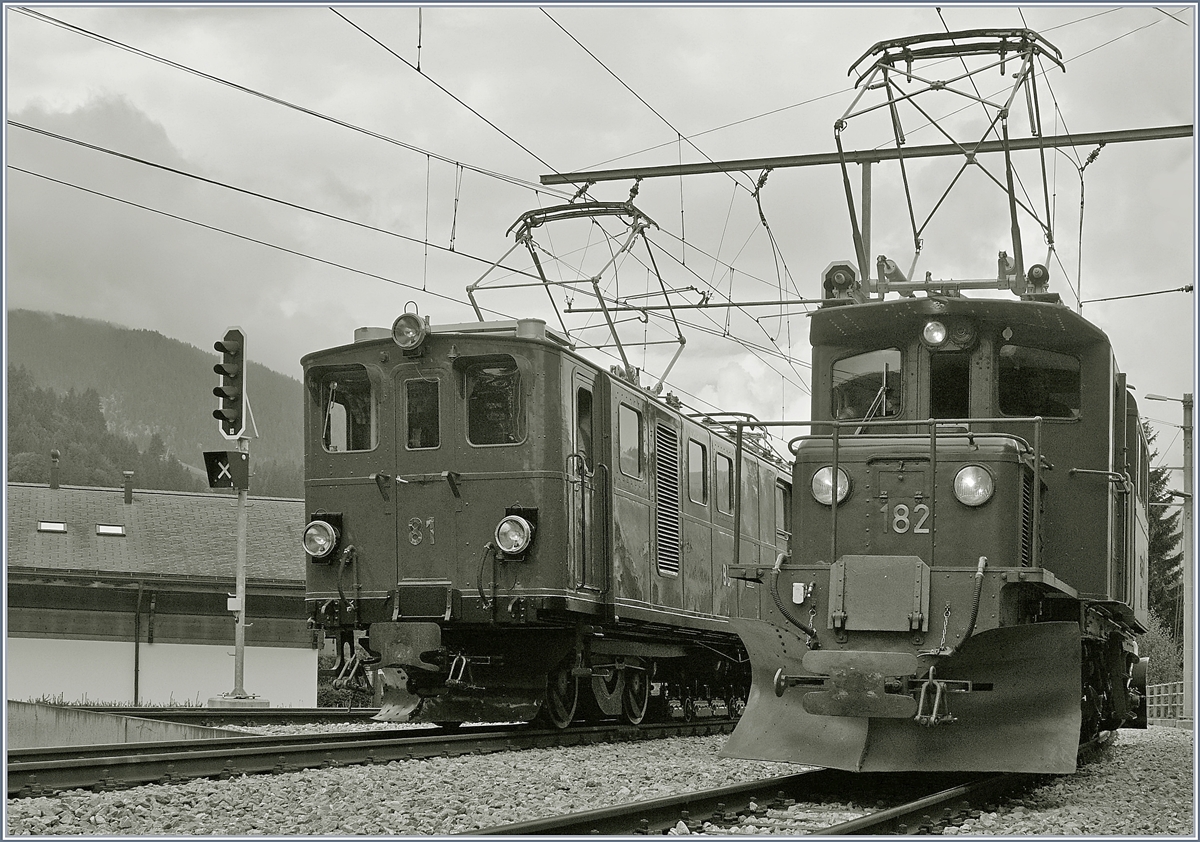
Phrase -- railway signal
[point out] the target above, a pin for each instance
(227, 469)
(231, 414)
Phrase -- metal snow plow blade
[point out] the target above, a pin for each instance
(994, 705)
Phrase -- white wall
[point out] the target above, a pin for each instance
(101, 672)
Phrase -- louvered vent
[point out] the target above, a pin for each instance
(1027, 520)
(666, 507)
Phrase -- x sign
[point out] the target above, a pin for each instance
(227, 469)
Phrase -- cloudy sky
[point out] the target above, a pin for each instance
(301, 171)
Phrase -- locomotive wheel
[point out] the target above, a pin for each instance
(562, 695)
(609, 691)
(636, 697)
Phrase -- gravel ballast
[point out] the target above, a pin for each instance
(1141, 785)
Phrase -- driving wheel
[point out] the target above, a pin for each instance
(636, 696)
(562, 695)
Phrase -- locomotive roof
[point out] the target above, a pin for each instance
(900, 319)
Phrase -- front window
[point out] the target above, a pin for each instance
(350, 414)
(1034, 381)
(421, 398)
(494, 409)
(867, 386)
(950, 384)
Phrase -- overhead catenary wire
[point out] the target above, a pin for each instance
(298, 253)
(538, 188)
(445, 90)
(249, 239)
(253, 193)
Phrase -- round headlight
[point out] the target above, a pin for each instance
(319, 539)
(408, 331)
(973, 485)
(934, 333)
(513, 535)
(822, 485)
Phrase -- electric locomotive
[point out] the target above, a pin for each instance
(501, 530)
(967, 569)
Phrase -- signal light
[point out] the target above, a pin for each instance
(230, 412)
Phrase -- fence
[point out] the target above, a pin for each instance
(1165, 702)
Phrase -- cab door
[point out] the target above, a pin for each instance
(589, 483)
(426, 497)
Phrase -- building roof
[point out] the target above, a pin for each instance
(165, 533)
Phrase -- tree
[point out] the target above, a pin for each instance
(1164, 651)
(1166, 568)
(41, 420)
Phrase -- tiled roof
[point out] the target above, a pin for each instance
(170, 533)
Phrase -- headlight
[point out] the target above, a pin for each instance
(934, 333)
(822, 485)
(408, 331)
(319, 538)
(973, 485)
(513, 535)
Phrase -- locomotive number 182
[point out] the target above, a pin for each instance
(902, 518)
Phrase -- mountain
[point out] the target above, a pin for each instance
(151, 384)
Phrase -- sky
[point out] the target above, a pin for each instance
(304, 170)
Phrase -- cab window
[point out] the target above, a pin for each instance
(697, 472)
(724, 484)
(495, 414)
(629, 440)
(866, 386)
(783, 510)
(422, 414)
(1034, 381)
(350, 411)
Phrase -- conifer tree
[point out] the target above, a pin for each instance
(1165, 560)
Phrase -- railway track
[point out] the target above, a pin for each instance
(811, 803)
(43, 771)
(808, 803)
(216, 717)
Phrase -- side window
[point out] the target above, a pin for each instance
(783, 509)
(422, 414)
(494, 411)
(867, 385)
(583, 425)
(1144, 472)
(724, 484)
(350, 411)
(1033, 381)
(697, 472)
(629, 440)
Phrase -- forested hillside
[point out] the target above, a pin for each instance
(41, 420)
(154, 391)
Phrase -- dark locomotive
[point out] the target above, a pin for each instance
(503, 531)
(971, 598)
